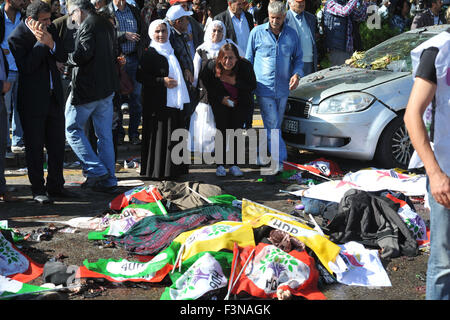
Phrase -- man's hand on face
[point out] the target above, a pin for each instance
(40, 32)
(44, 37)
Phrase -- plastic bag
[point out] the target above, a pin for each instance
(202, 129)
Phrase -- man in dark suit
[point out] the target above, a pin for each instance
(238, 23)
(36, 47)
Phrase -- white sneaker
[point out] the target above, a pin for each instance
(125, 108)
(235, 171)
(220, 171)
(18, 149)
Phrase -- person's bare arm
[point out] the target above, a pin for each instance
(421, 96)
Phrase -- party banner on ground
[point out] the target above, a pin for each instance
(201, 274)
(258, 215)
(266, 269)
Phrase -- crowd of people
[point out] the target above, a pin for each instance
(68, 68)
(72, 68)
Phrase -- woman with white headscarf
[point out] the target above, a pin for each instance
(164, 94)
(214, 39)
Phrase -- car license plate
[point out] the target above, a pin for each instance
(290, 126)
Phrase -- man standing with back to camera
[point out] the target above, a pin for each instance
(94, 82)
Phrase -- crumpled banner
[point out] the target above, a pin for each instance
(10, 287)
(263, 270)
(359, 266)
(258, 215)
(202, 273)
(138, 195)
(119, 270)
(215, 237)
(15, 265)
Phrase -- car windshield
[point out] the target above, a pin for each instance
(393, 54)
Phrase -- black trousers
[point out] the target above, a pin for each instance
(229, 118)
(46, 130)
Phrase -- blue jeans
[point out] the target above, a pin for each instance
(134, 102)
(11, 107)
(3, 134)
(101, 112)
(438, 273)
(272, 112)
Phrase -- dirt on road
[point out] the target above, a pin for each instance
(407, 274)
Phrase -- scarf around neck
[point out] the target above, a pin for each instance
(177, 96)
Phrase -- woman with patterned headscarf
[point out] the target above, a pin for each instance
(214, 39)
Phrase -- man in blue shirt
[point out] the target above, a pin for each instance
(10, 17)
(275, 51)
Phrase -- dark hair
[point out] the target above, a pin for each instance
(106, 13)
(399, 7)
(221, 54)
(37, 7)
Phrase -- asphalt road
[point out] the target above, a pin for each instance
(406, 274)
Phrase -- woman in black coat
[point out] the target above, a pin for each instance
(229, 81)
(164, 95)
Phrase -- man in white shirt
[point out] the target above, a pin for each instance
(238, 23)
(305, 24)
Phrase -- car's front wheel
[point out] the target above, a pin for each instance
(394, 149)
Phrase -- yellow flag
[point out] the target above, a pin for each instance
(258, 215)
(215, 237)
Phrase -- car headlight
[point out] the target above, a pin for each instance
(345, 102)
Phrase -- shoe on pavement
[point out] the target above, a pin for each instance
(235, 171)
(220, 171)
(101, 187)
(91, 181)
(42, 199)
(125, 107)
(18, 149)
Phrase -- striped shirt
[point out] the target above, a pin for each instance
(352, 11)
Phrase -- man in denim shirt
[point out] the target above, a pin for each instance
(275, 51)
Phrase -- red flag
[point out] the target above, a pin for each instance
(262, 270)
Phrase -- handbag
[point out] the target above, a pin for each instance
(125, 84)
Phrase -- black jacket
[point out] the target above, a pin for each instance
(94, 75)
(245, 83)
(225, 17)
(372, 220)
(35, 63)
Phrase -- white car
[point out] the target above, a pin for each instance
(357, 112)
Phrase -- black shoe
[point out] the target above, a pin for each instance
(63, 193)
(100, 187)
(92, 181)
(42, 199)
